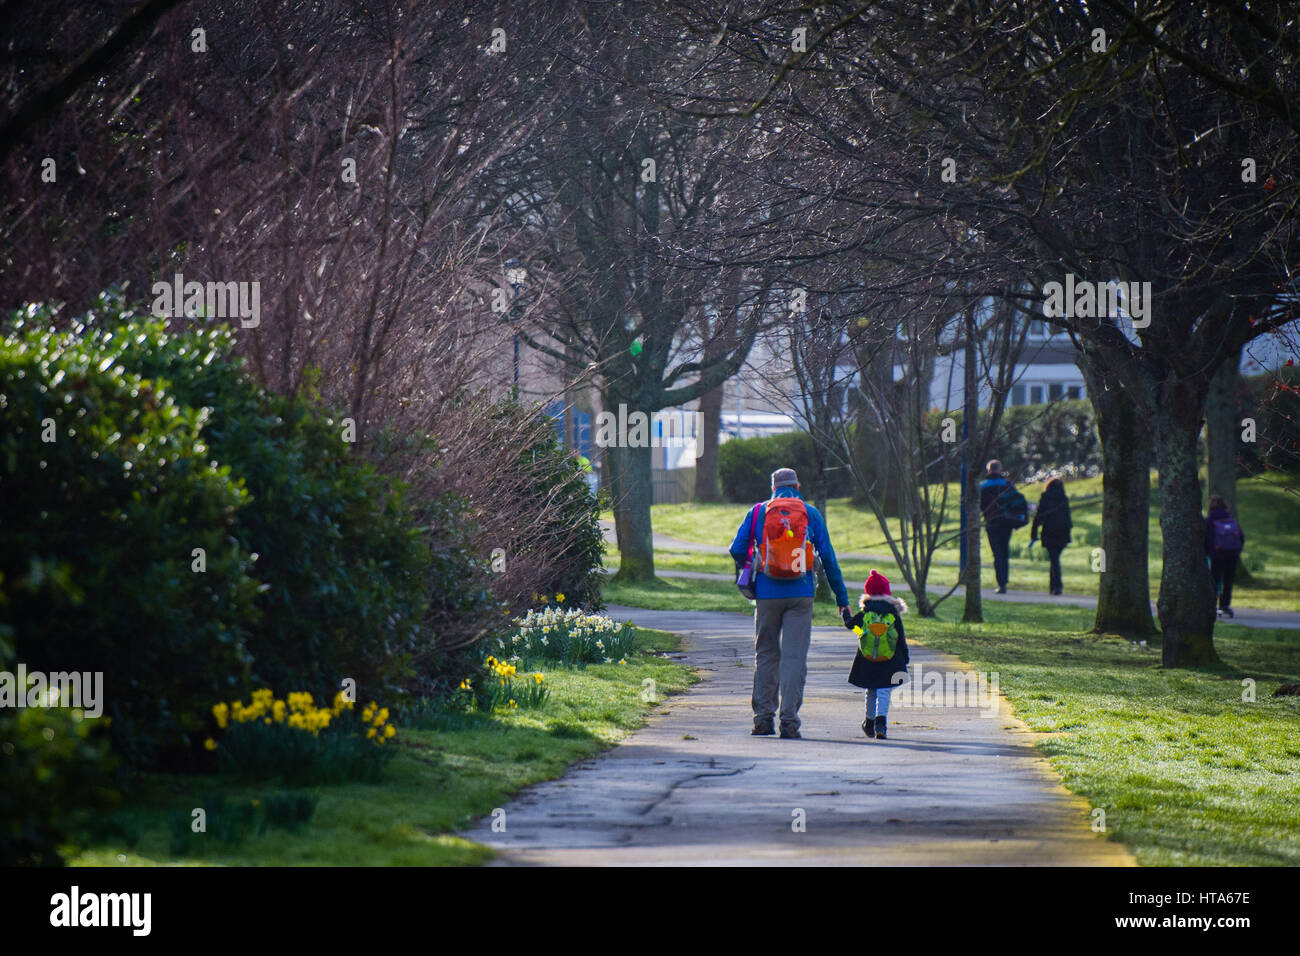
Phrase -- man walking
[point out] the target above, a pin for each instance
(995, 493)
(786, 534)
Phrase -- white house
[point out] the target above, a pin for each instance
(1046, 371)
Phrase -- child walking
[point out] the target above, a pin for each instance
(882, 650)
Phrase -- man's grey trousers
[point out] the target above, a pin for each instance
(782, 633)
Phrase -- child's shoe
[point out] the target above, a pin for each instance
(880, 728)
(869, 727)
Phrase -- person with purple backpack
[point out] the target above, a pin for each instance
(1224, 540)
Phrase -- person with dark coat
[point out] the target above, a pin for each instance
(1224, 540)
(1053, 519)
(996, 523)
(879, 627)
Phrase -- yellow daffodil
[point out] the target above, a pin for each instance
(222, 713)
(209, 744)
(559, 598)
(390, 731)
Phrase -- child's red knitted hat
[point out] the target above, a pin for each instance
(877, 584)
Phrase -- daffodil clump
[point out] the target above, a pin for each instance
(503, 687)
(298, 740)
(571, 636)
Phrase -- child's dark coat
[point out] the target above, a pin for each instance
(873, 674)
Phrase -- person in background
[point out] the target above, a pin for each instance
(1224, 540)
(996, 523)
(1053, 519)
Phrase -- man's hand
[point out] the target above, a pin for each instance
(844, 614)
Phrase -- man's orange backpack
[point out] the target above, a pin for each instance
(785, 551)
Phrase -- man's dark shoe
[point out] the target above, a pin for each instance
(790, 733)
(763, 728)
(1001, 590)
(1228, 611)
(880, 728)
(869, 727)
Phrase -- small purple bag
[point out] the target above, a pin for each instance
(745, 579)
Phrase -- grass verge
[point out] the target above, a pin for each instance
(440, 780)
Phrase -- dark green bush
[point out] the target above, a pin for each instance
(745, 467)
(56, 777)
(338, 556)
(459, 595)
(1030, 441)
(1033, 439)
(573, 564)
(314, 565)
(106, 489)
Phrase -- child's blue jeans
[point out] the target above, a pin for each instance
(877, 701)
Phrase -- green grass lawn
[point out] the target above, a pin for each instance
(440, 780)
(1269, 514)
(1187, 773)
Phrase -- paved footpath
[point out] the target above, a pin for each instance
(949, 786)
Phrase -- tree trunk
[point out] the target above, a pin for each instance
(1186, 602)
(870, 449)
(632, 517)
(973, 613)
(706, 464)
(611, 466)
(860, 450)
(1222, 432)
(1124, 587)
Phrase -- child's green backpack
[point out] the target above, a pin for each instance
(878, 636)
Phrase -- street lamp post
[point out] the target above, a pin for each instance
(516, 275)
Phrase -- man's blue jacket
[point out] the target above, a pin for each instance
(806, 585)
